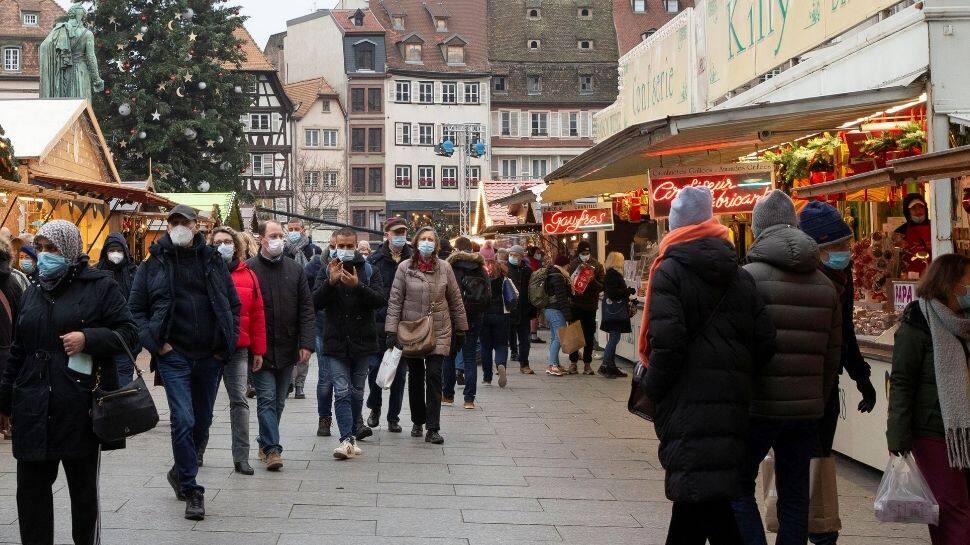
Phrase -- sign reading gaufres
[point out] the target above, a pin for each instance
(564, 221)
(736, 186)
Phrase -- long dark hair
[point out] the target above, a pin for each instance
(942, 276)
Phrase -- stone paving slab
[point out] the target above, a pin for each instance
(546, 460)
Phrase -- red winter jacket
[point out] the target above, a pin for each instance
(252, 317)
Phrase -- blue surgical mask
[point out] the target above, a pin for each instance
(293, 237)
(398, 241)
(426, 247)
(333, 253)
(27, 265)
(513, 260)
(838, 260)
(346, 255)
(964, 300)
(51, 265)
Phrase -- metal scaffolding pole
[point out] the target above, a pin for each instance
(464, 133)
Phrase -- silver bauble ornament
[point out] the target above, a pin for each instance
(203, 186)
(190, 133)
(202, 85)
(188, 14)
(125, 109)
(237, 89)
(142, 135)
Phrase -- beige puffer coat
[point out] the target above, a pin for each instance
(414, 292)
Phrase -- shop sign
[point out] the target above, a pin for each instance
(607, 122)
(748, 38)
(736, 186)
(557, 221)
(904, 293)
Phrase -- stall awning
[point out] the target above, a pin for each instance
(34, 191)
(107, 191)
(513, 229)
(929, 166)
(620, 163)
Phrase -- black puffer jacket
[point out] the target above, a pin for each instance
(590, 298)
(560, 294)
(520, 275)
(124, 272)
(804, 308)
(616, 290)
(290, 320)
(13, 292)
(153, 298)
(350, 330)
(709, 336)
(49, 403)
(384, 261)
(465, 264)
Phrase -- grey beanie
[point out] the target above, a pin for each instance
(517, 249)
(65, 236)
(776, 208)
(692, 206)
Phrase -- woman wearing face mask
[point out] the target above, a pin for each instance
(27, 261)
(250, 346)
(74, 321)
(116, 261)
(914, 235)
(615, 289)
(929, 392)
(586, 275)
(426, 284)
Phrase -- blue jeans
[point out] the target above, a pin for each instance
(465, 360)
(190, 387)
(349, 376)
(795, 442)
(126, 369)
(609, 352)
(554, 319)
(495, 338)
(324, 382)
(375, 397)
(271, 386)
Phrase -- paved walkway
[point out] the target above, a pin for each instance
(544, 460)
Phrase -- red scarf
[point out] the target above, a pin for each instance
(426, 264)
(710, 228)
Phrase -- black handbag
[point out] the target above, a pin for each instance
(617, 310)
(124, 412)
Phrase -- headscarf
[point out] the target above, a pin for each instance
(65, 236)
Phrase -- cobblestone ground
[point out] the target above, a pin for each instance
(545, 460)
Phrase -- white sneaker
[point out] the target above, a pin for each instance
(357, 451)
(345, 451)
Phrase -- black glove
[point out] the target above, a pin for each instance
(458, 342)
(391, 340)
(868, 395)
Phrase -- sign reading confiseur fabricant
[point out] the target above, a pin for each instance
(580, 219)
(736, 186)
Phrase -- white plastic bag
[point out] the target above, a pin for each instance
(385, 375)
(904, 496)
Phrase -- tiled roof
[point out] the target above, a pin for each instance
(631, 26)
(12, 26)
(466, 18)
(558, 30)
(495, 189)
(303, 94)
(437, 9)
(255, 60)
(343, 18)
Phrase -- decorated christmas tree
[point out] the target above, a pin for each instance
(8, 163)
(172, 98)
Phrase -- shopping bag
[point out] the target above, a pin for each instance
(823, 506)
(904, 496)
(571, 337)
(388, 368)
(769, 492)
(581, 278)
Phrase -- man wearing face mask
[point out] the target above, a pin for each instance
(116, 260)
(385, 259)
(914, 235)
(300, 249)
(585, 301)
(187, 312)
(289, 335)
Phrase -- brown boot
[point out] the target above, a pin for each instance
(588, 369)
(323, 427)
(573, 369)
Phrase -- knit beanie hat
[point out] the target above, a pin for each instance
(584, 246)
(776, 208)
(692, 206)
(65, 236)
(29, 250)
(823, 223)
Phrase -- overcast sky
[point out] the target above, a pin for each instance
(267, 16)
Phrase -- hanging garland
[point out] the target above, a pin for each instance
(8, 163)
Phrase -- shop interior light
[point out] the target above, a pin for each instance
(884, 125)
(585, 235)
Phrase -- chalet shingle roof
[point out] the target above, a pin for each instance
(255, 60)
(303, 94)
(464, 17)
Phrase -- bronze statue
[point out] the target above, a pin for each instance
(68, 66)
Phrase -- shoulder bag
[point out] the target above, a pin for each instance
(417, 337)
(125, 412)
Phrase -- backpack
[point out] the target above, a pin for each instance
(537, 288)
(476, 292)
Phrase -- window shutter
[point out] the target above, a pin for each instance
(564, 123)
(437, 92)
(553, 124)
(585, 124)
(277, 120)
(526, 126)
(415, 89)
(514, 123)
(399, 133)
(497, 123)
(391, 91)
(482, 89)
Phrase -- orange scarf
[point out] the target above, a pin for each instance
(710, 228)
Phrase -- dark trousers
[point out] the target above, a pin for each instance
(35, 500)
(794, 442)
(695, 523)
(469, 356)
(424, 390)
(495, 347)
(588, 320)
(521, 339)
(375, 395)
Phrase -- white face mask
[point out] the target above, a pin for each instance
(116, 257)
(275, 246)
(181, 236)
(227, 250)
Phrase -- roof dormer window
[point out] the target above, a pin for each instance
(648, 33)
(441, 24)
(412, 53)
(358, 18)
(584, 13)
(533, 45)
(397, 22)
(456, 54)
(585, 45)
(639, 6)
(534, 14)
(30, 18)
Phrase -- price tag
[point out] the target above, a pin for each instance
(903, 294)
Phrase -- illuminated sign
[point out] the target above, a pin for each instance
(736, 187)
(577, 220)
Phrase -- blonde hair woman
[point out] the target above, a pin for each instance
(616, 296)
(249, 246)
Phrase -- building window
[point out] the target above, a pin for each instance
(585, 85)
(471, 93)
(261, 164)
(402, 176)
(449, 135)
(441, 24)
(257, 122)
(477, 134)
(533, 45)
(30, 18)
(402, 91)
(397, 23)
(639, 6)
(426, 92)
(648, 33)
(498, 84)
(426, 134)
(539, 168)
(358, 140)
(251, 84)
(325, 105)
(329, 138)
(375, 99)
(585, 44)
(573, 125)
(358, 180)
(311, 180)
(359, 218)
(375, 180)
(456, 54)
(364, 56)
(11, 59)
(534, 84)
(449, 92)
(540, 124)
(357, 103)
(425, 177)
(534, 14)
(505, 124)
(329, 214)
(402, 134)
(449, 177)
(672, 6)
(585, 13)
(474, 175)
(311, 138)
(330, 179)
(509, 169)
(412, 53)
(375, 140)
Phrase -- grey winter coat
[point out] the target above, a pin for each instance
(804, 308)
(413, 293)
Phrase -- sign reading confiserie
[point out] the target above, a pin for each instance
(736, 187)
(576, 220)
